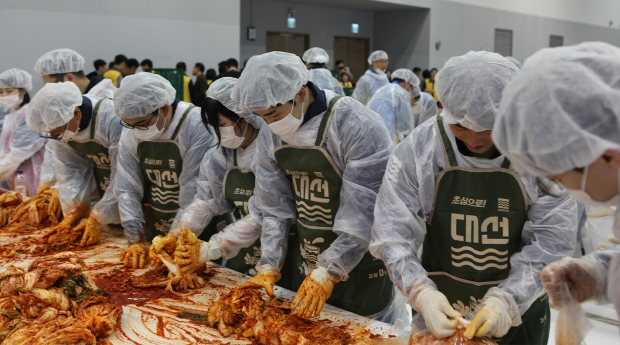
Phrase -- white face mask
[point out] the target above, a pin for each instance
(67, 135)
(585, 198)
(152, 133)
(11, 101)
(380, 71)
(289, 124)
(229, 139)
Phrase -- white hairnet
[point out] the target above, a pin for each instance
(406, 75)
(315, 55)
(470, 88)
(377, 55)
(220, 91)
(415, 92)
(141, 94)
(15, 78)
(514, 61)
(270, 79)
(53, 106)
(59, 61)
(563, 109)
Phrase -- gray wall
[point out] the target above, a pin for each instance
(462, 27)
(166, 31)
(321, 23)
(405, 36)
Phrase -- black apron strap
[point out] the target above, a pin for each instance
(320, 138)
(176, 131)
(93, 121)
(447, 145)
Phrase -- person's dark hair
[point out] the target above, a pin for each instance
(338, 62)
(25, 100)
(119, 59)
(200, 67)
(98, 63)
(416, 69)
(210, 111)
(398, 80)
(60, 77)
(245, 63)
(211, 74)
(221, 67)
(112, 64)
(426, 74)
(317, 65)
(131, 63)
(182, 65)
(434, 69)
(147, 62)
(232, 63)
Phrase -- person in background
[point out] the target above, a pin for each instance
(388, 73)
(418, 73)
(146, 65)
(374, 78)
(487, 231)
(131, 66)
(426, 74)
(232, 69)
(20, 147)
(423, 106)
(340, 68)
(211, 76)
(200, 85)
(221, 68)
(100, 68)
(393, 103)
(225, 170)
(430, 84)
(188, 85)
(65, 65)
(316, 138)
(164, 138)
(84, 133)
(566, 126)
(114, 72)
(347, 85)
(316, 60)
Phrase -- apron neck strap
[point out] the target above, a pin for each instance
(235, 157)
(176, 131)
(93, 120)
(320, 138)
(506, 163)
(447, 145)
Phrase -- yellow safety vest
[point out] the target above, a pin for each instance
(113, 75)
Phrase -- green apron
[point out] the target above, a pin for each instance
(237, 188)
(161, 165)
(316, 182)
(96, 152)
(475, 228)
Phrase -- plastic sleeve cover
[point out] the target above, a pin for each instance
(74, 173)
(24, 144)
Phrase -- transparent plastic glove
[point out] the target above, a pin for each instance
(162, 245)
(210, 251)
(313, 293)
(92, 231)
(436, 310)
(134, 256)
(492, 320)
(585, 278)
(264, 279)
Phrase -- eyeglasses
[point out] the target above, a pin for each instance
(143, 126)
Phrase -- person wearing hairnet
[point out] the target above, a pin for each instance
(393, 103)
(486, 231)
(225, 184)
(85, 132)
(158, 159)
(21, 147)
(566, 126)
(316, 60)
(319, 163)
(374, 78)
(61, 65)
(423, 106)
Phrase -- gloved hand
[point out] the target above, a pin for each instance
(92, 231)
(63, 227)
(313, 293)
(134, 256)
(265, 279)
(585, 278)
(492, 320)
(53, 207)
(435, 308)
(205, 251)
(162, 245)
(187, 251)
